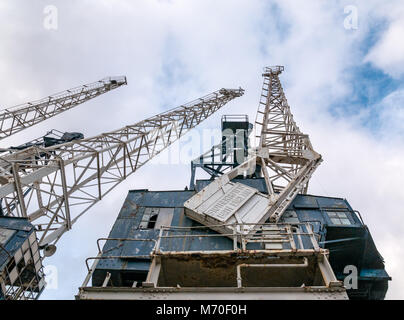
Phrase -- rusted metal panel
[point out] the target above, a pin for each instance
(193, 240)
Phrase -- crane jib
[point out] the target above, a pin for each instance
(54, 186)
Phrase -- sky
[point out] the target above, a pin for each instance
(343, 78)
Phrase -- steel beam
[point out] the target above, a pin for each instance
(20, 117)
(54, 186)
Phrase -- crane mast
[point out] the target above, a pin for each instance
(54, 186)
(20, 117)
(284, 157)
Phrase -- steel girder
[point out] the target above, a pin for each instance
(287, 157)
(213, 162)
(54, 186)
(15, 119)
(284, 155)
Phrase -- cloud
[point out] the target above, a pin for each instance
(388, 52)
(175, 51)
(391, 113)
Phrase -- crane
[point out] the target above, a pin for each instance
(284, 156)
(20, 117)
(54, 186)
(284, 150)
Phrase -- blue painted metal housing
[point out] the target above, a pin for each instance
(17, 230)
(339, 229)
(21, 270)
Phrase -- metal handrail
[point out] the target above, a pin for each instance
(115, 257)
(360, 216)
(100, 257)
(121, 239)
(289, 231)
(305, 264)
(235, 224)
(286, 234)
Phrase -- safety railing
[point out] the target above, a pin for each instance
(266, 237)
(274, 69)
(305, 264)
(292, 237)
(101, 255)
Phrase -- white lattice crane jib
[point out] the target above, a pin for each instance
(20, 117)
(54, 186)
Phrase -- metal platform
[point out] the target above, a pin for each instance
(288, 257)
(123, 263)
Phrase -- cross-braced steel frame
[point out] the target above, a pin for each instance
(15, 119)
(54, 186)
(286, 155)
(214, 162)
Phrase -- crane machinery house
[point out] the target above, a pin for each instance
(250, 230)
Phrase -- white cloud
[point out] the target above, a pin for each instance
(212, 45)
(391, 113)
(388, 52)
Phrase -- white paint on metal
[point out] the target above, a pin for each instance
(287, 160)
(227, 202)
(164, 217)
(92, 167)
(231, 294)
(15, 119)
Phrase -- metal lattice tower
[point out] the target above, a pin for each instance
(287, 157)
(54, 186)
(284, 157)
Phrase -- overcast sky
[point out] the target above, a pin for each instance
(343, 79)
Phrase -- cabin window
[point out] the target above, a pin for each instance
(339, 218)
(155, 218)
(152, 222)
(149, 218)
